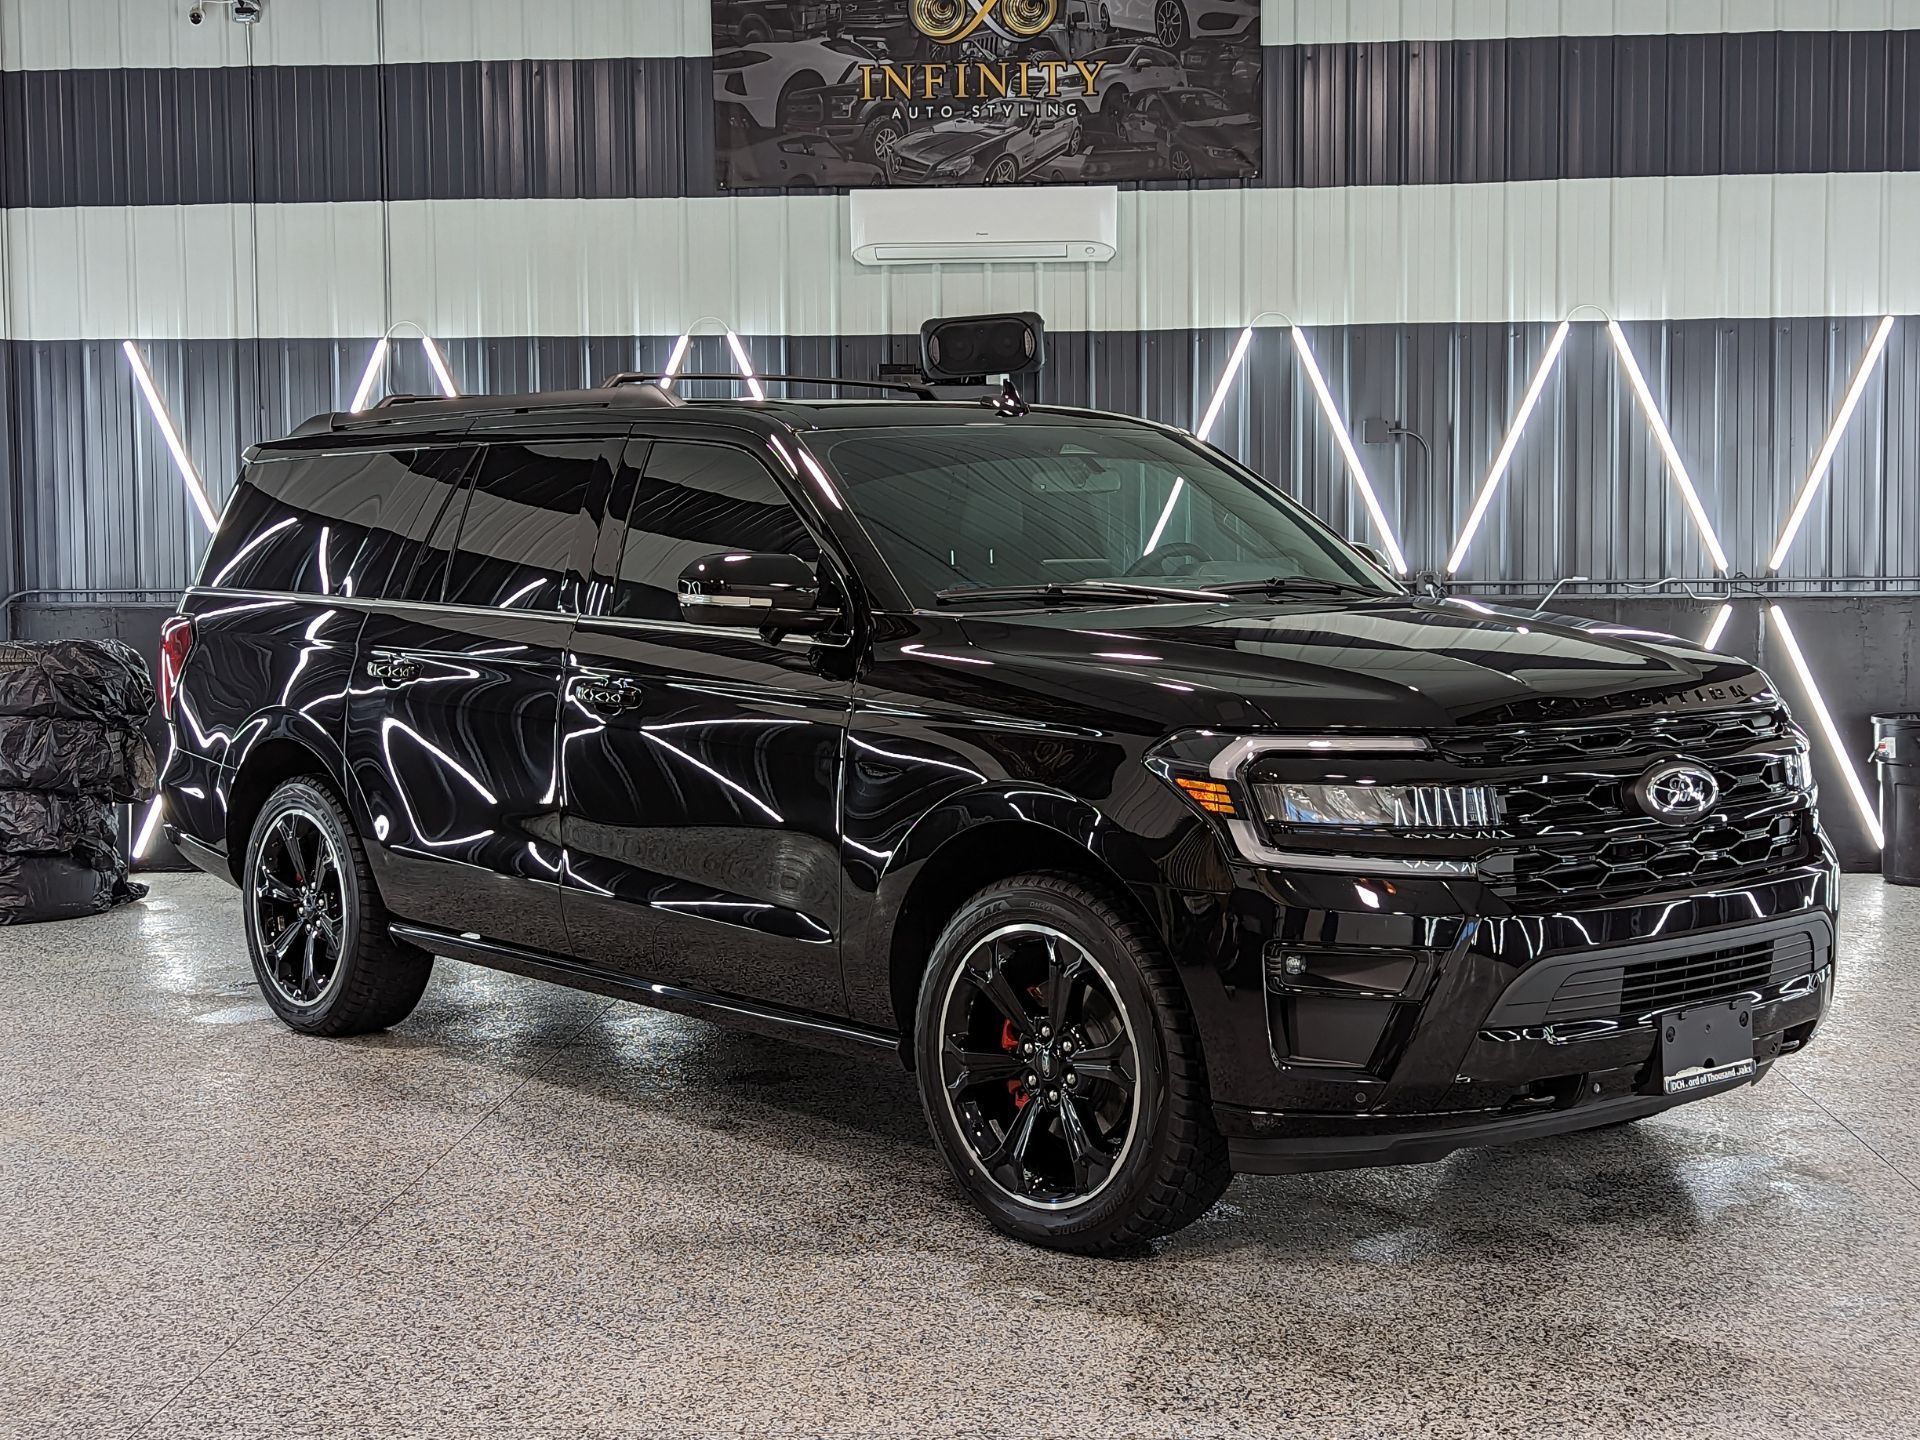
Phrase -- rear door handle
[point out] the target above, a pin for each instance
(392, 669)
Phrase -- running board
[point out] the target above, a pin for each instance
(776, 1020)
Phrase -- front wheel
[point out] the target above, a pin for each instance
(1061, 1073)
(316, 930)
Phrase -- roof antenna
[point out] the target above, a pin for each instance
(1010, 401)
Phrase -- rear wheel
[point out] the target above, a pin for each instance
(316, 930)
(1060, 1070)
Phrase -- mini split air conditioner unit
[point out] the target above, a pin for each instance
(981, 226)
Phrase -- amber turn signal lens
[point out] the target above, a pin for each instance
(1211, 795)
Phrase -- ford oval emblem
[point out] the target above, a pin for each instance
(1676, 793)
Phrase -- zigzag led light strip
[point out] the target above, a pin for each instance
(182, 461)
(1823, 459)
(678, 357)
(1368, 496)
(1638, 383)
(363, 393)
(1796, 518)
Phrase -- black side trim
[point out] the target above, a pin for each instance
(202, 855)
(1294, 1154)
(818, 1030)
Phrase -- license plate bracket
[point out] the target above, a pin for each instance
(1707, 1045)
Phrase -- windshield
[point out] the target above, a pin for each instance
(1017, 503)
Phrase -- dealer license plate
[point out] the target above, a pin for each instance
(1708, 1045)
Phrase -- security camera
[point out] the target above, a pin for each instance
(246, 12)
(196, 15)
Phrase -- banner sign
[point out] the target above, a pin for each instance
(984, 92)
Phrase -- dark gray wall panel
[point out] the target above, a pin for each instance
(96, 500)
(1401, 113)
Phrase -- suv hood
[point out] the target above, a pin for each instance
(1387, 664)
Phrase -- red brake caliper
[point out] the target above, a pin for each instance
(1010, 1042)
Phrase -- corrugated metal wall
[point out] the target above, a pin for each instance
(258, 207)
(1588, 493)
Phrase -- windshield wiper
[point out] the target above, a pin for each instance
(1071, 592)
(1299, 585)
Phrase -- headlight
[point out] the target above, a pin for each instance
(843, 106)
(961, 166)
(1400, 807)
(1246, 785)
(1800, 770)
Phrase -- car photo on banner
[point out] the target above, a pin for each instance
(848, 93)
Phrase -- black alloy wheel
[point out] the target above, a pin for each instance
(298, 907)
(1038, 1066)
(1060, 1069)
(317, 932)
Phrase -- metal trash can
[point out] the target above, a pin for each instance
(1896, 752)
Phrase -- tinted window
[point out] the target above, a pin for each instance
(330, 524)
(691, 501)
(390, 501)
(262, 543)
(427, 580)
(520, 526)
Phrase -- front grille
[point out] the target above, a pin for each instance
(1580, 800)
(1721, 850)
(1675, 981)
(1652, 736)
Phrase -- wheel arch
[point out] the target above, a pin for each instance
(281, 745)
(971, 841)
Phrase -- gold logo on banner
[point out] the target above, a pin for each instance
(951, 21)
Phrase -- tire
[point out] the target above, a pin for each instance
(876, 145)
(1119, 1008)
(1170, 24)
(316, 930)
(1004, 171)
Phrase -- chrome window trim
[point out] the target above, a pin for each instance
(389, 607)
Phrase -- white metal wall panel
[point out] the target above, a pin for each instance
(1728, 248)
(105, 34)
(111, 34)
(1332, 22)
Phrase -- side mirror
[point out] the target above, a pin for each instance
(769, 591)
(1372, 554)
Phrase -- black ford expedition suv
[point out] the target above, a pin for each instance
(1156, 828)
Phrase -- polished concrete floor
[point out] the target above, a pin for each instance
(529, 1212)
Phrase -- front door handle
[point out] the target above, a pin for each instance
(393, 669)
(609, 695)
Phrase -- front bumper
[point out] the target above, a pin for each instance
(1350, 1021)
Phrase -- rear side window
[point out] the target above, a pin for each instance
(390, 501)
(522, 525)
(691, 501)
(264, 543)
(340, 524)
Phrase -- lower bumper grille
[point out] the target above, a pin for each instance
(1634, 982)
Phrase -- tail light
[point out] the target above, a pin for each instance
(176, 640)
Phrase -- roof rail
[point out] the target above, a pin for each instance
(635, 377)
(394, 409)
